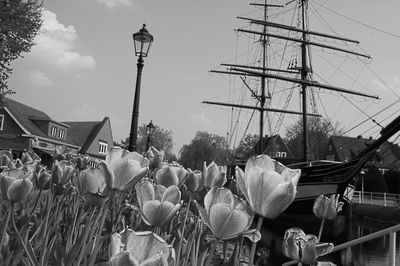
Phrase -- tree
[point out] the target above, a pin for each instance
(318, 131)
(161, 140)
(205, 147)
(20, 21)
(246, 147)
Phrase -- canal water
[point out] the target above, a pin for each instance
(374, 252)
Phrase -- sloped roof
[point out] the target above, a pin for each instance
(347, 147)
(26, 115)
(83, 133)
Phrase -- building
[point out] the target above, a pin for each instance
(341, 148)
(275, 147)
(23, 127)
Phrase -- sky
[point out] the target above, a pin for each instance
(83, 66)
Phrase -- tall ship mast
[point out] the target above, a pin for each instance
(317, 177)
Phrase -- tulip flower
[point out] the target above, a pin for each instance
(123, 169)
(15, 185)
(157, 204)
(155, 157)
(82, 161)
(92, 186)
(43, 178)
(62, 153)
(5, 159)
(194, 180)
(327, 208)
(304, 248)
(62, 172)
(171, 175)
(268, 186)
(29, 157)
(226, 215)
(139, 249)
(213, 175)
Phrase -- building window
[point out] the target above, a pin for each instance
(283, 154)
(1, 122)
(61, 133)
(53, 132)
(103, 147)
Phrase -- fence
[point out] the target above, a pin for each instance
(377, 199)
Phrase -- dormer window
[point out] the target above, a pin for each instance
(1, 122)
(61, 133)
(103, 147)
(53, 132)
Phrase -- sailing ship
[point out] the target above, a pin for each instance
(318, 177)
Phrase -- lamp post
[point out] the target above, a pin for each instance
(150, 128)
(142, 41)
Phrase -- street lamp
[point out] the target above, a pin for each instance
(150, 128)
(142, 41)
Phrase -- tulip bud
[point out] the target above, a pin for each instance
(19, 190)
(5, 158)
(327, 208)
(62, 172)
(43, 179)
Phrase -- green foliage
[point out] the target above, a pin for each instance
(318, 131)
(205, 147)
(246, 147)
(161, 140)
(20, 21)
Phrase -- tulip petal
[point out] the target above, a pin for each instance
(219, 179)
(124, 259)
(264, 162)
(218, 195)
(5, 183)
(144, 192)
(172, 194)
(115, 245)
(167, 177)
(145, 245)
(156, 260)
(115, 153)
(242, 183)
(276, 202)
(107, 173)
(133, 181)
(19, 190)
(126, 173)
(225, 222)
(143, 161)
(253, 235)
(203, 214)
(157, 213)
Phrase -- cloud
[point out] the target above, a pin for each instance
(114, 3)
(39, 79)
(55, 45)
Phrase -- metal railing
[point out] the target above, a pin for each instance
(377, 199)
(392, 244)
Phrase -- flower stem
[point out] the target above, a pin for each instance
(321, 228)
(254, 244)
(4, 227)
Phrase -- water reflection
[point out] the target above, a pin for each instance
(374, 252)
